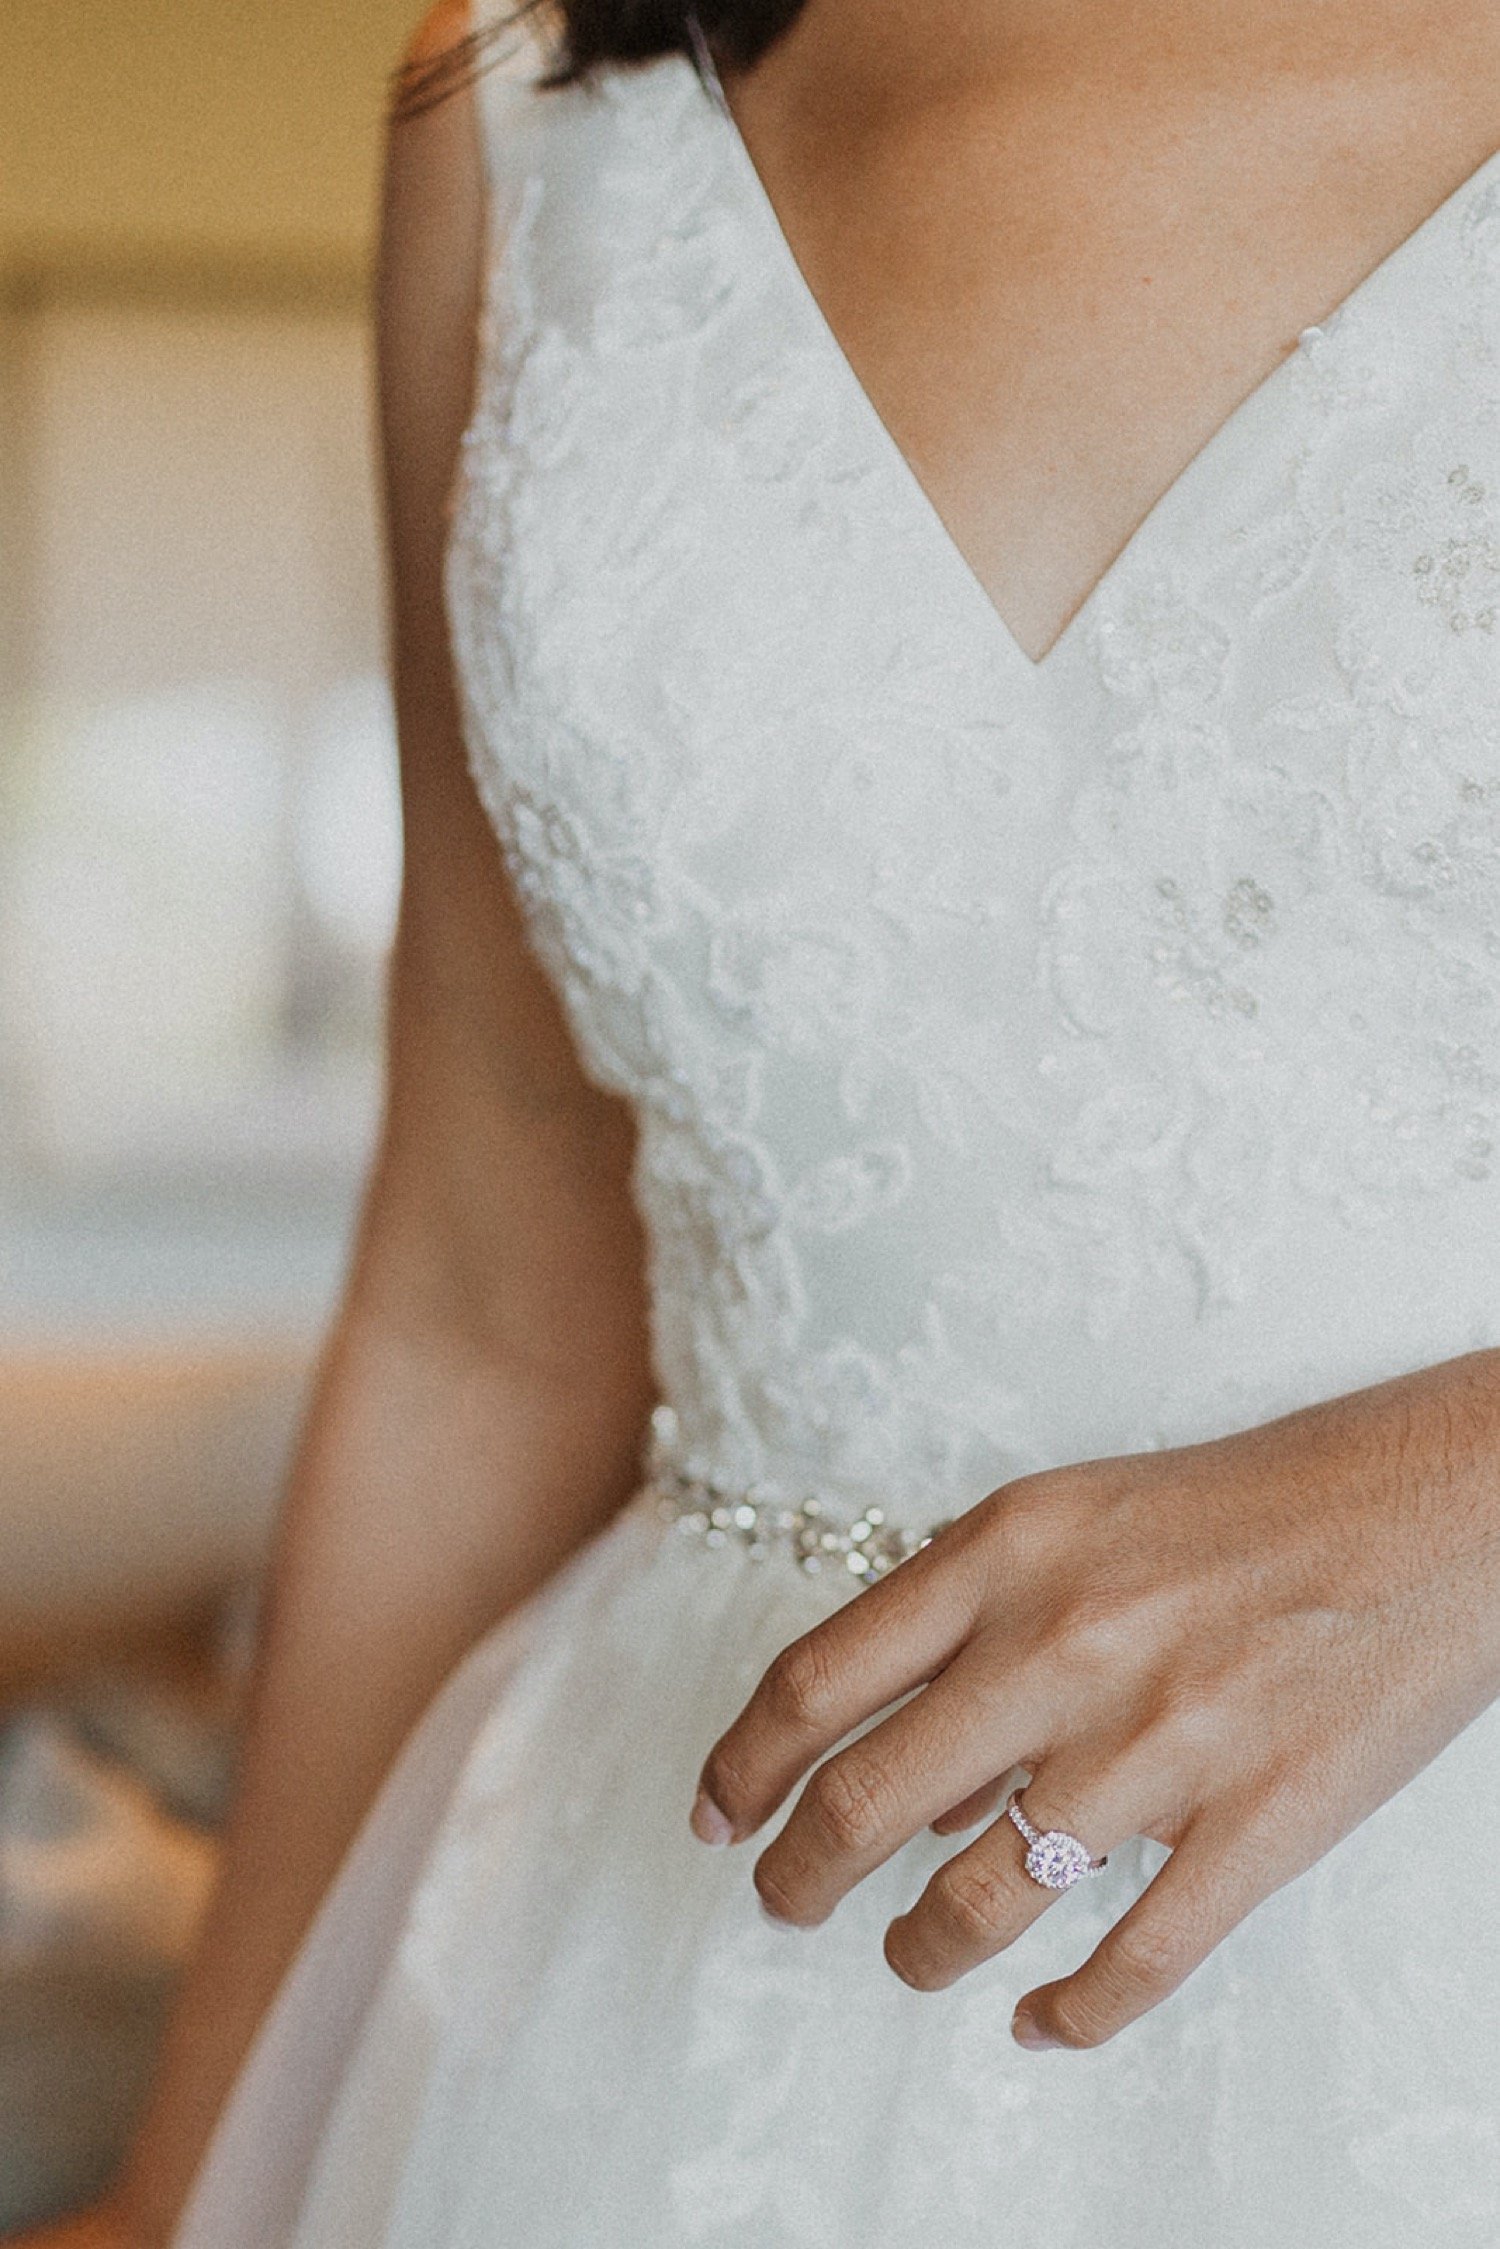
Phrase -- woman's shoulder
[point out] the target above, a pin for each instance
(444, 26)
(496, 49)
(486, 61)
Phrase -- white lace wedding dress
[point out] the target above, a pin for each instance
(1033, 1061)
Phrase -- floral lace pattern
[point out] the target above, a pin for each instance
(1003, 1037)
(1031, 1062)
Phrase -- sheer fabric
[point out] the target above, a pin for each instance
(1032, 1062)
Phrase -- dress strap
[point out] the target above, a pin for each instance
(512, 56)
(703, 61)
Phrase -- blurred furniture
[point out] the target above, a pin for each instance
(137, 1488)
(137, 1493)
(100, 1896)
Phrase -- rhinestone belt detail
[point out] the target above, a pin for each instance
(764, 1520)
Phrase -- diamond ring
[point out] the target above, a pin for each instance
(1055, 1859)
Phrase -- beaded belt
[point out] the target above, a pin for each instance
(764, 1520)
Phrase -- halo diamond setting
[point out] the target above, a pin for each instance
(1054, 1858)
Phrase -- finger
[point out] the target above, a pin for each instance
(896, 1635)
(984, 1898)
(978, 1806)
(1218, 1873)
(862, 1805)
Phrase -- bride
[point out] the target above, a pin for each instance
(957, 549)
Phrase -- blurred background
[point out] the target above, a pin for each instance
(198, 864)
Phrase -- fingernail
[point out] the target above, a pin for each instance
(708, 1823)
(1027, 2031)
(773, 1920)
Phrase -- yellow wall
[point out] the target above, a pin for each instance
(241, 132)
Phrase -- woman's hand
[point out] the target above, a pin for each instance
(1239, 1649)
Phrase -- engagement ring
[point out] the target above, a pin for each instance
(1055, 1859)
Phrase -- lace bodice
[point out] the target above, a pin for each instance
(1107, 1045)
(1031, 1061)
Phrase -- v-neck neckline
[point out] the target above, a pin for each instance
(1258, 399)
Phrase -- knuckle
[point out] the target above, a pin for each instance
(1144, 1963)
(1196, 1730)
(980, 1520)
(852, 1802)
(997, 1534)
(1287, 1786)
(978, 1901)
(1101, 1633)
(1018, 1511)
(1052, 1497)
(1035, 1492)
(799, 1684)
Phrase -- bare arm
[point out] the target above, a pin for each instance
(482, 1393)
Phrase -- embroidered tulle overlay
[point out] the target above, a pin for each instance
(1031, 1061)
(1001, 1035)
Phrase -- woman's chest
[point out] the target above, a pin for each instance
(1056, 274)
(775, 780)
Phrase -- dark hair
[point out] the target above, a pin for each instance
(587, 35)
